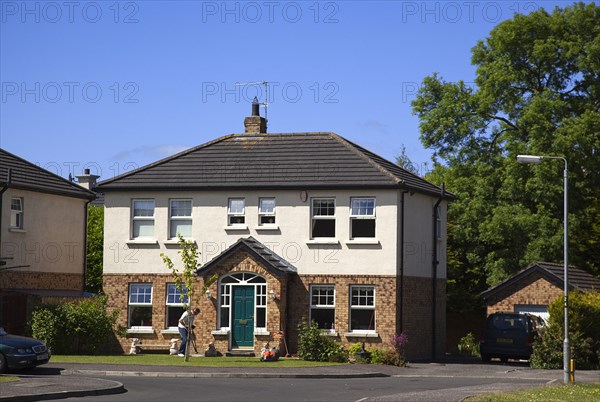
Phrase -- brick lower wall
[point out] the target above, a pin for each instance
(292, 307)
(533, 289)
(40, 280)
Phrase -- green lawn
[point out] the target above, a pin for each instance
(562, 393)
(8, 378)
(166, 360)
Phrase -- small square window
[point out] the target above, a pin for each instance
(236, 211)
(266, 211)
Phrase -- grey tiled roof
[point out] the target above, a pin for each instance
(578, 278)
(262, 254)
(276, 161)
(27, 176)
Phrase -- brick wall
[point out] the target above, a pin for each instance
(40, 280)
(293, 291)
(533, 289)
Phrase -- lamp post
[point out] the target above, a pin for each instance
(533, 159)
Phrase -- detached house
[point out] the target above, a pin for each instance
(43, 221)
(298, 227)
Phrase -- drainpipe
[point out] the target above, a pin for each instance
(400, 276)
(434, 264)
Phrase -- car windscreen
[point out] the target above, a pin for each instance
(510, 322)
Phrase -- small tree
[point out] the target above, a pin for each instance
(186, 279)
(95, 243)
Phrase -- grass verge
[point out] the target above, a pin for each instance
(562, 393)
(166, 360)
(8, 378)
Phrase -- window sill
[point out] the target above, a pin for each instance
(175, 242)
(266, 227)
(323, 241)
(236, 227)
(361, 241)
(218, 332)
(137, 242)
(330, 333)
(261, 332)
(148, 330)
(361, 335)
(17, 230)
(170, 331)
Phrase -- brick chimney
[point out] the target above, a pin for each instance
(87, 180)
(255, 124)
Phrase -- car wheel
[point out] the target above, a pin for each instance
(486, 358)
(504, 359)
(3, 364)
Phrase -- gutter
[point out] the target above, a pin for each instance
(434, 265)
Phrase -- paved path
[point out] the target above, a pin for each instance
(61, 380)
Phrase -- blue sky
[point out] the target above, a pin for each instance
(115, 85)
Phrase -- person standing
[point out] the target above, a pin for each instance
(186, 323)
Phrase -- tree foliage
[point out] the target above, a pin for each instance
(537, 91)
(95, 244)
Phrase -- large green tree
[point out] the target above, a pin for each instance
(537, 91)
(95, 244)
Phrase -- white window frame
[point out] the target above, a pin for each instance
(314, 217)
(16, 213)
(138, 304)
(231, 215)
(143, 218)
(177, 303)
(318, 306)
(264, 214)
(356, 216)
(363, 307)
(172, 218)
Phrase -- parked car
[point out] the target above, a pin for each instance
(19, 352)
(509, 336)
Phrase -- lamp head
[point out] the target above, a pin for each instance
(529, 159)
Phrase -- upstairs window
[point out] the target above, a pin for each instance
(362, 218)
(140, 305)
(236, 211)
(16, 213)
(322, 306)
(266, 211)
(142, 219)
(180, 218)
(175, 304)
(323, 217)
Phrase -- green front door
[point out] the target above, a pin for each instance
(243, 316)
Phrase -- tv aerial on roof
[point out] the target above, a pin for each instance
(265, 104)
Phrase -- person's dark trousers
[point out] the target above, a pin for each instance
(183, 334)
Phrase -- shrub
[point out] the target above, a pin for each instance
(377, 355)
(75, 327)
(468, 346)
(399, 343)
(314, 346)
(584, 333)
(354, 348)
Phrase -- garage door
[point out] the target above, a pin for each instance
(533, 309)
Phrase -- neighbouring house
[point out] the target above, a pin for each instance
(298, 227)
(42, 237)
(535, 287)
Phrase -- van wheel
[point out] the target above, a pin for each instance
(486, 358)
(3, 365)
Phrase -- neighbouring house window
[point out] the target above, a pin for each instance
(180, 218)
(323, 217)
(16, 213)
(175, 304)
(143, 219)
(140, 305)
(362, 308)
(266, 211)
(236, 211)
(322, 306)
(362, 217)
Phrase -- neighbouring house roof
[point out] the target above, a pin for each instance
(261, 253)
(27, 176)
(272, 161)
(554, 273)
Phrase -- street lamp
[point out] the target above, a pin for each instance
(533, 159)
